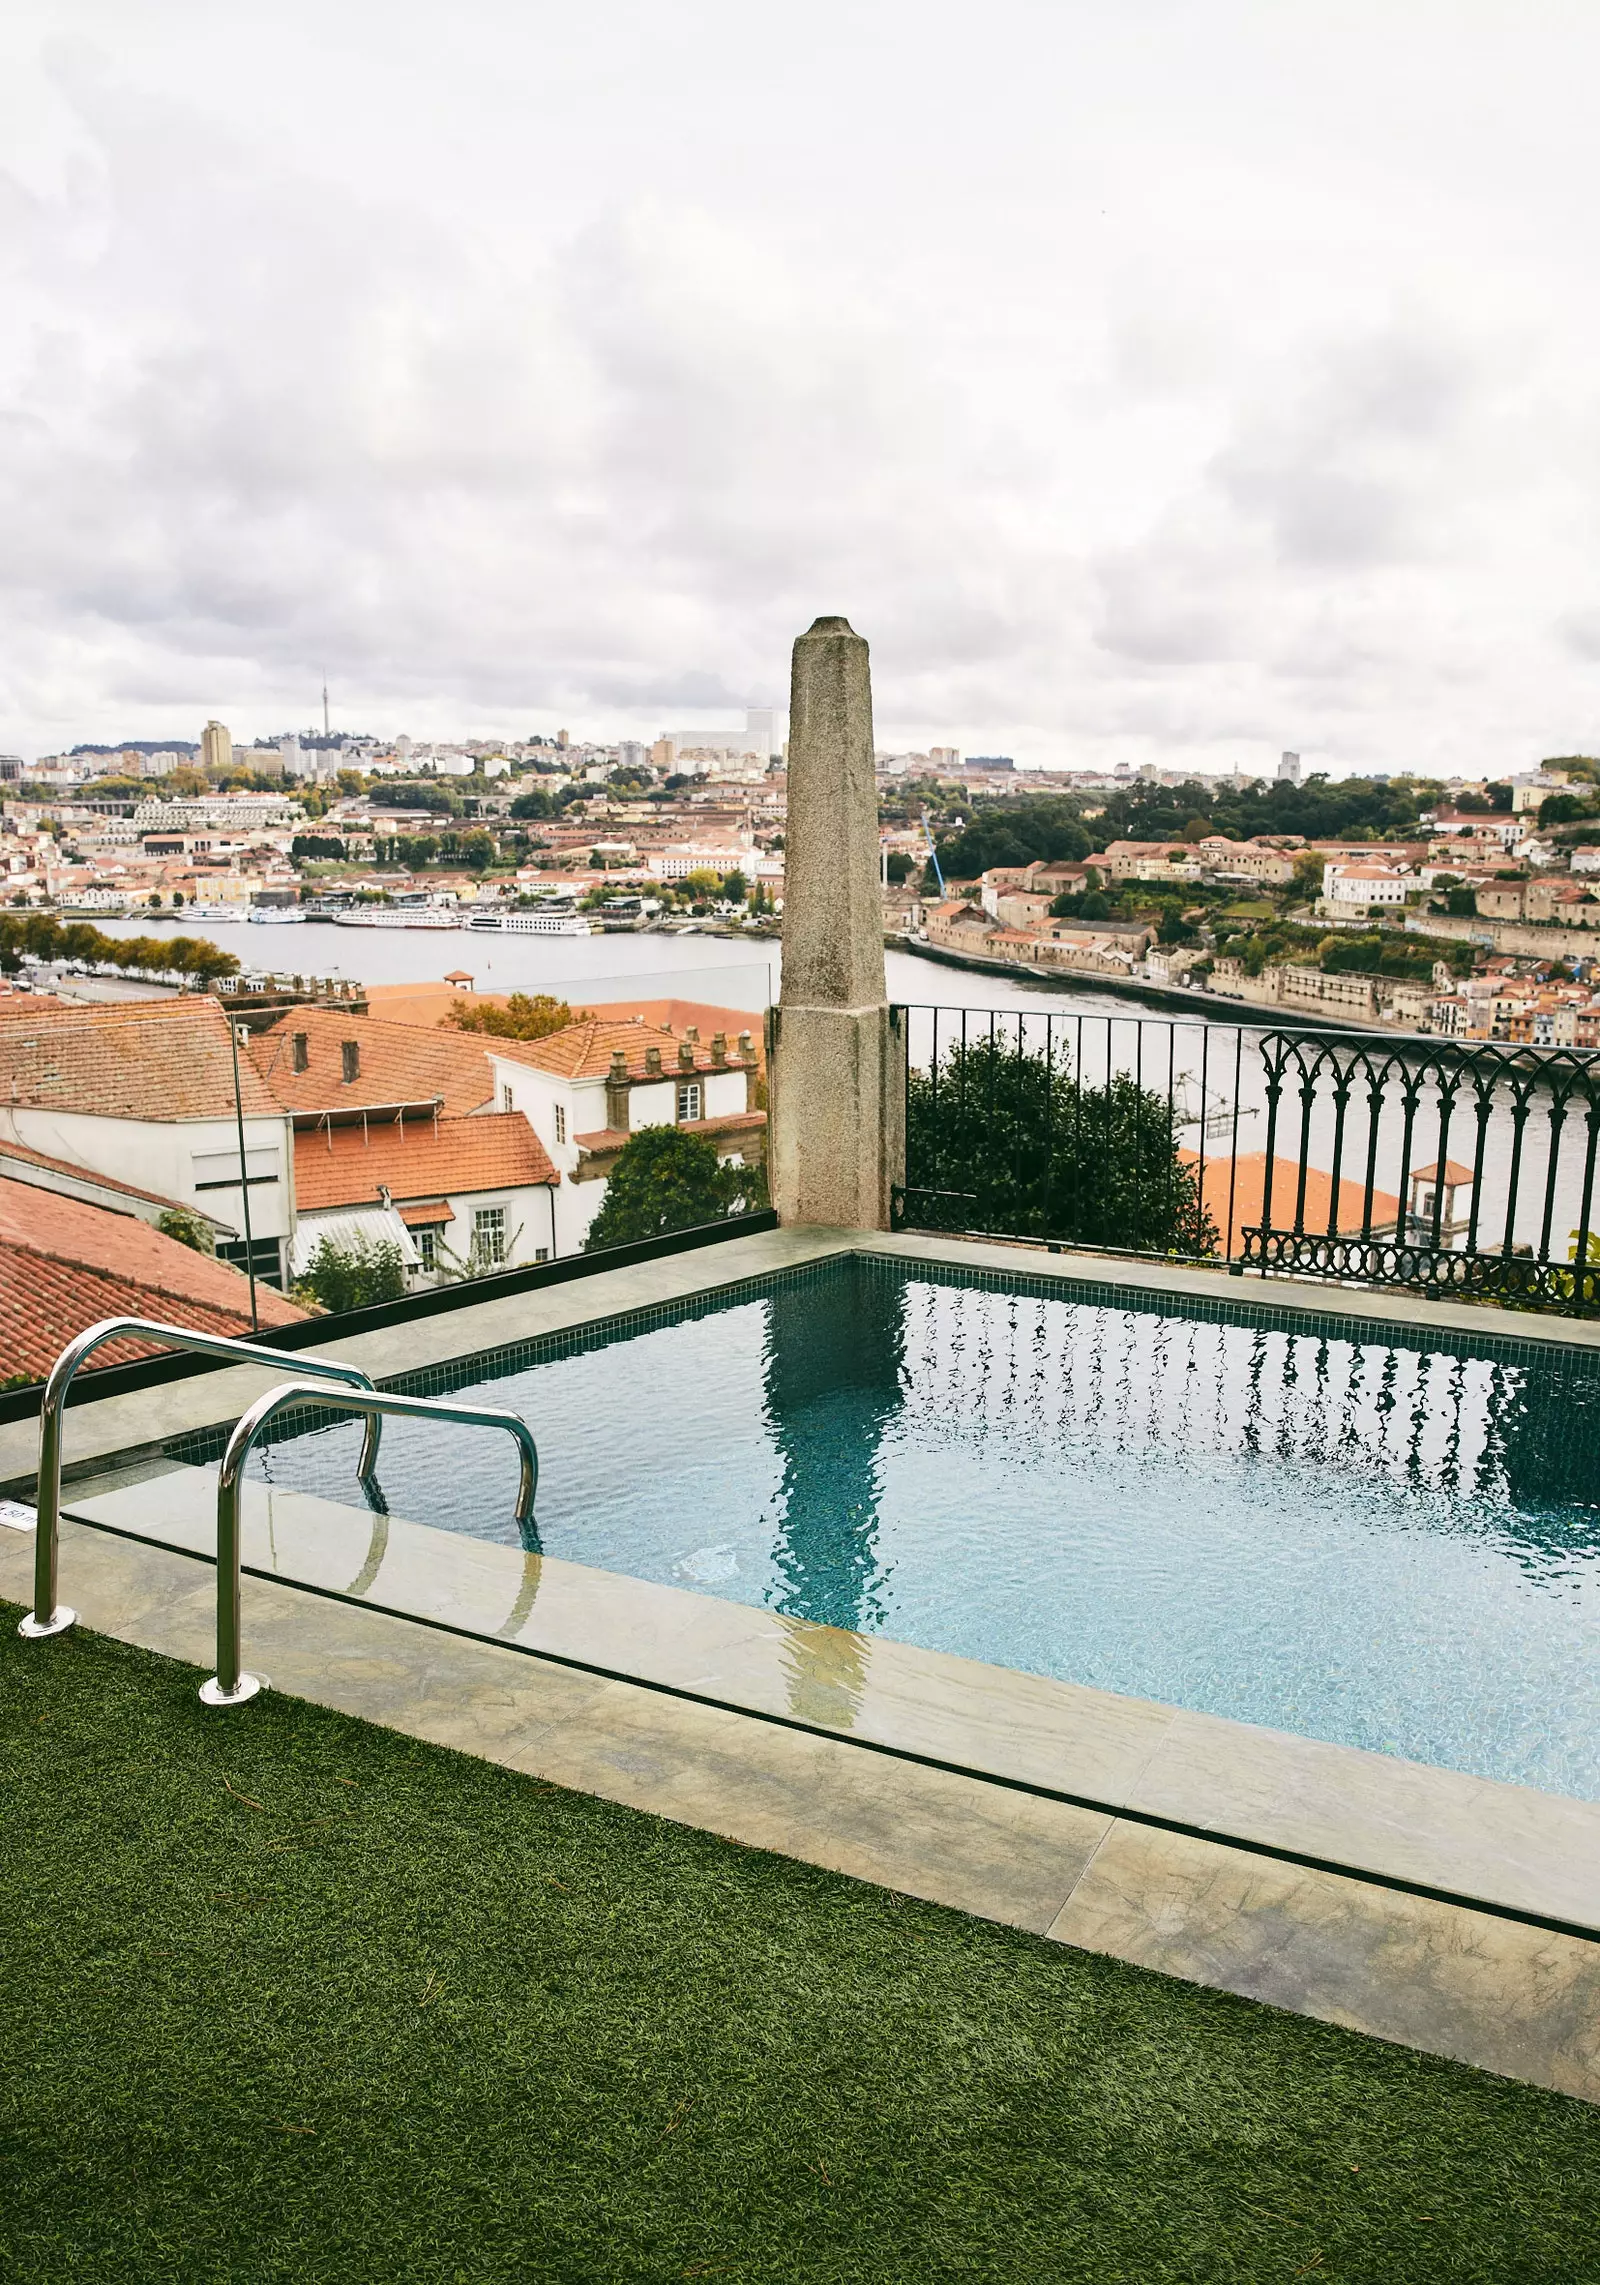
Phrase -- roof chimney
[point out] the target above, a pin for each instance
(619, 1067)
(300, 1052)
(685, 1056)
(691, 1031)
(746, 1046)
(719, 1047)
(350, 1059)
(652, 1062)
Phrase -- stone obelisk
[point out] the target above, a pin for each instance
(838, 1101)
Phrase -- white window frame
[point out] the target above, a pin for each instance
(691, 1096)
(427, 1240)
(489, 1234)
(561, 1122)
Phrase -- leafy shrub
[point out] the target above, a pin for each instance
(667, 1180)
(1015, 1144)
(353, 1275)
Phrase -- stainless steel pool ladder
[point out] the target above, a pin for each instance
(230, 1686)
(50, 1617)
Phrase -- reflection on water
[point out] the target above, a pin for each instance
(1380, 1545)
(834, 1364)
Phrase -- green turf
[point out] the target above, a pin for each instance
(289, 1997)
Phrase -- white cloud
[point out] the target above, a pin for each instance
(1132, 386)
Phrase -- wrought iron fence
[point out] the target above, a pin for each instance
(1447, 1167)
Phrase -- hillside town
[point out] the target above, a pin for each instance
(1462, 908)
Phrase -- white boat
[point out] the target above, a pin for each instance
(546, 924)
(275, 915)
(209, 912)
(396, 916)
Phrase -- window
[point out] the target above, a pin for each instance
(219, 1169)
(689, 1099)
(541, 1253)
(505, 1098)
(561, 1123)
(489, 1234)
(428, 1247)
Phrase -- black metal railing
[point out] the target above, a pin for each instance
(1447, 1167)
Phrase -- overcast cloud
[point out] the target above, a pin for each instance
(1170, 381)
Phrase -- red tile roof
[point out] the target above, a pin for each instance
(343, 1166)
(584, 1050)
(134, 1059)
(399, 1063)
(1246, 1177)
(729, 1123)
(64, 1264)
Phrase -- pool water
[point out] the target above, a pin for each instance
(1377, 1545)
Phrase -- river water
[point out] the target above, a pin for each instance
(1206, 1060)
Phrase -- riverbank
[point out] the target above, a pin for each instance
(1202, 1007)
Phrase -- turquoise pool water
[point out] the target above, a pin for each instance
(1383, 1546)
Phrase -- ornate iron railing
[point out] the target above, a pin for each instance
(1446, 1167)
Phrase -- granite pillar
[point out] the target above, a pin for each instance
(837, 1071)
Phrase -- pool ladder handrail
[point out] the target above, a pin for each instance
(229, 1686)
(50, 1617)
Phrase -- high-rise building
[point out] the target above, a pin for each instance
(1289, 770)
(216, 747)
(630, 754)
(758, 727)
(944, 757)
(664, 755)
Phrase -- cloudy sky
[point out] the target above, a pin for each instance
(1178, 380)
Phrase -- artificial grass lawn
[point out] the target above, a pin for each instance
(289, 1997)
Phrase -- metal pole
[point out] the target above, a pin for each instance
(230, 1685)
(47, 1616)
(244, 1176)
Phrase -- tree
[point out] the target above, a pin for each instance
(1309, 865)
(1016, 1144)
(522, 1017)
(666, 1180)
(188, 1228)
(901, 864)
(353, 1276)
(734, 888)
(1563, 809)
(1015, 833)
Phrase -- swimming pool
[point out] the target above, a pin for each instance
(1368, 1537)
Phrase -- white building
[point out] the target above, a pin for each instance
(1356, 887)
(585, 1090)
(677, 863)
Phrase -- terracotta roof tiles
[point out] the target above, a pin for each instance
(584, 1050)
(343, 1166)
(397, 1063)
(132, 1059)
(64, 1264)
